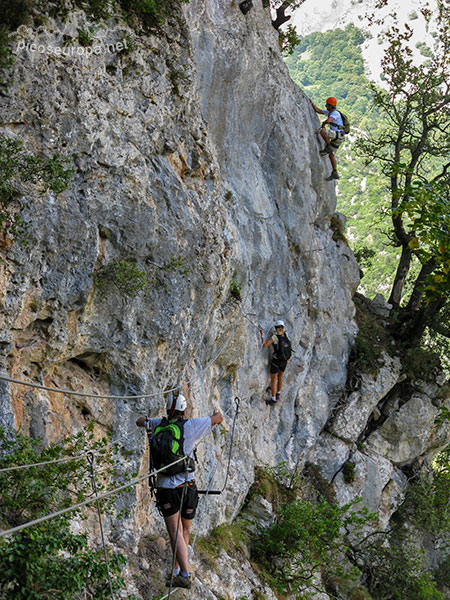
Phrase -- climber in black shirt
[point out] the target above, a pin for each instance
(282, 353)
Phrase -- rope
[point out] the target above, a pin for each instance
(90, 459)
(174, 555)
(233, 427)
(83, 503)
(136, 396)
(46, 462)
(95, 498)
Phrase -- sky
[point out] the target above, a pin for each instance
(322, 15)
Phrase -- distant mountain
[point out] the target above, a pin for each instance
(325, 15)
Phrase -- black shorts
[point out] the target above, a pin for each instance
(168, 501)
(277, 364)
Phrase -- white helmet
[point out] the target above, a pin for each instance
(180, 404)
(279, 323)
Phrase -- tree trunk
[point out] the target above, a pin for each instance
(281, 16)
(419, 286)
(411, 325)
(400, 277)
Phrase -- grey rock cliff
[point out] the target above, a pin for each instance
(196, 160)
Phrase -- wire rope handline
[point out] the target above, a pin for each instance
(233, 427)
(101, 496)
(175, 546)
(90, 459)
(63, 511)
(134, 396)
(45, 462)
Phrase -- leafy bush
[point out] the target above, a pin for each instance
(308, 538)
(124, 275)
(398, 571)
(396, 567)
(19, 170)
(49, 560)
(151, 12)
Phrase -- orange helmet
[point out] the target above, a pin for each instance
(331, 101)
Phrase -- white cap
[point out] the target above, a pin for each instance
(180, 405)
(279, 323)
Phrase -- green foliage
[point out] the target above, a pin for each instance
(232, 538)
(372, 340)
(124, 275)
(410, 150)
(421, 363)
(427, 501)
(289, 39)
(236, 287)
(399, 571)
(308, 537)
(331, 63)
(98, 9)
(49, 560)
(396, 566)
(443, 416)
(284, 476)
(364, 256)
(348, 472)
(442, 574)
(18, 171)
(84, 37)
(178, 263)
(151, 13)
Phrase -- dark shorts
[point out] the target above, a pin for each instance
(169, 499)
(277, 364)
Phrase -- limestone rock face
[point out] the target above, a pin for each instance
(196, 162)
(351, 419)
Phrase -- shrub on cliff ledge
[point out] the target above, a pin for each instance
(19, 171)
(49, 560)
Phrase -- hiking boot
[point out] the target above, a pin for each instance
(278, 396)
(327, 150)
(180, 582)
(168, 578)
(334, 175)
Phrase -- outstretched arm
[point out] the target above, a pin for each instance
(316, 108)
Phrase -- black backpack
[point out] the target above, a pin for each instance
(167, 447)
(284, 347)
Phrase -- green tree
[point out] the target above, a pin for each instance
(49, 560)
(411, 151)
(19, 170)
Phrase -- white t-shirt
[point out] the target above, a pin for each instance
(194, 429)
(336, 115)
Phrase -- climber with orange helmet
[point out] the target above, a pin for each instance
(334, 136)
